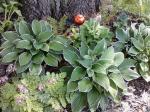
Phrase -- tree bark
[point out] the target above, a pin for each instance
(40, 9)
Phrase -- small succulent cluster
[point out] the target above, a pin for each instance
(37, 90)
(22, 88)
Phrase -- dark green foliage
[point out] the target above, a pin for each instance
(31, 45)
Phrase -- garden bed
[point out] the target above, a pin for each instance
(83, 61)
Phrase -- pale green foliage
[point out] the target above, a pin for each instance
(134, 40)
(140, 49)
(91, 32)
(51, 95)
(98, 72)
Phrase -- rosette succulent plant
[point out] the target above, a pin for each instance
(31, 45)
(98, 73)
(140, 49)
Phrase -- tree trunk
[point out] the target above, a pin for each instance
(40, 9)
(88, 8)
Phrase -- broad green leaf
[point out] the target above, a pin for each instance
(102, 80)
(10, 57)
(45, 26)
(108, 54)
(36, 27)
(23, 44)
(129, 74)
(138, 44)
(37, 45)
(21, 69)
(104, 101)
(113, 69)
(44, 36)
(79, 103)
(127, 63)
(6, 51)
(118, 46)
(113, 90)
(78, 73)
(133, 51)
(101, 66)
(85, 85)
(118, 80)
(16, 41)
(24, 58)
(45, 47)
(145, 75)
(35, 69)
(93, 98)
(24, 28)
(62, 39)
(143, 57)
(100, 47)
(11, 36)
(122, 35)
(70, 56)
(72, 86)
(118, 59)
(33, 52)
(7, 44)
(38, 58)
(27, 37)
(83, 49)
(87, 63)
(51, 60)
(56, 45)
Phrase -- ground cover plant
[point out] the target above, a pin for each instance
(74, 62)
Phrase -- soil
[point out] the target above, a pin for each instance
(140, 85)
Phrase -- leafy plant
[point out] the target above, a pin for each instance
(31, 45)
(140, 49)
(98, 73)
(9, 9)
(34, 93)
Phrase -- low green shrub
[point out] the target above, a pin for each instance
(34, 93)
